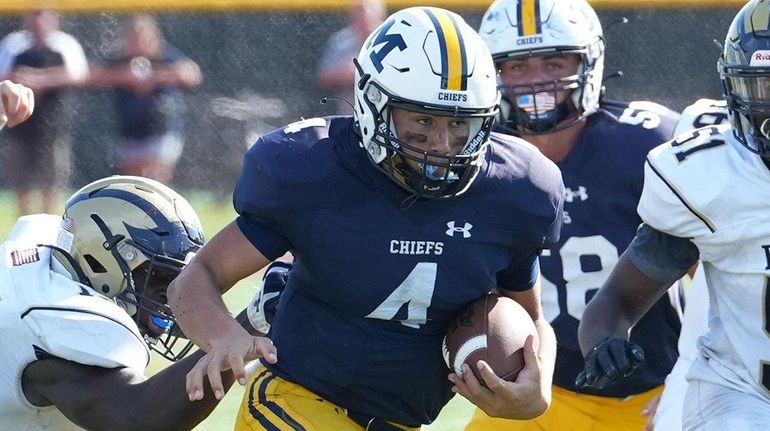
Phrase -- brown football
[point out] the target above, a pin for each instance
(492, 328)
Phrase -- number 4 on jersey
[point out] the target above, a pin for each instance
(416, 290)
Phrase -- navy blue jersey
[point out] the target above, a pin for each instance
(603, 176)
(376, 282)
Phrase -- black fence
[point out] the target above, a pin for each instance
(259, 73)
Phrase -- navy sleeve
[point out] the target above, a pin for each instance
(662, 257)
(257, 201)
(520, 275)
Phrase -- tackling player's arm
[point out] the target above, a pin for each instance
(530, 395)
(195, 298)
(121, 398)
(653, 261)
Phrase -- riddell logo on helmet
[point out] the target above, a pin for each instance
(760, 58)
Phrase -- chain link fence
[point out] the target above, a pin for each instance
(259, 73)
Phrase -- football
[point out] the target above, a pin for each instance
(492, 328)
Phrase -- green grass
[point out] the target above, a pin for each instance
(215, 215)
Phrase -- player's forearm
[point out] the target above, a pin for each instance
(163, 398)
(602, 318)
(547, 353)
(195, 298)
(620, 303)
(178, 412)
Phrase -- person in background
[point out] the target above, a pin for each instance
(17, 103)
(550, 56)
(149, 76)
(39, 151)
(335, 70)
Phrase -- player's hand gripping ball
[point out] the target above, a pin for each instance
(492, 328)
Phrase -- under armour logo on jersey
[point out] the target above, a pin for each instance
(466, 229)
(20, 257)
(581, 193)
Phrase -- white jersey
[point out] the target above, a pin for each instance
(668, 416)
(710, 188)
(44, 312)
(702, 113)
(68, 47)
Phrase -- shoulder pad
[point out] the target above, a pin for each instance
(89, 330)
(684, 178)
(704, 112)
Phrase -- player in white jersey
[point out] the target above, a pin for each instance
(665, 412)
(705, 196)
(82, 302)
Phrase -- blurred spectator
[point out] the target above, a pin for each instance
(38, 153)
(336, 71)
(148, 76)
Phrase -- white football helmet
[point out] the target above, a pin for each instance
(428, 60)
(517, 29)
(124, 230)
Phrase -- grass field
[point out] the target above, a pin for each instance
(214, 215)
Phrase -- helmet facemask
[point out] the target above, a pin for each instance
(747, 92)
(145, 300)
(437, 175)
(532, 109)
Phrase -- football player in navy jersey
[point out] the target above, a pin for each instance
(550, 55)
(705, 197)
(397, 218)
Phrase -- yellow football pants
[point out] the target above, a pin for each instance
(272, 403)
(571, 411)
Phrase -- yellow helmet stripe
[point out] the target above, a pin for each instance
(529, 17)
(454, 62)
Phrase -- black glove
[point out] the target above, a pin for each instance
(609, 361)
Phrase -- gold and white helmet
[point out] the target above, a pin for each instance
(130, 237)
(519, 29)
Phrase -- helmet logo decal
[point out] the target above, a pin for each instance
(391, 41)
(528, 12)
(537, 104)
(760, 58)
(454, 60)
